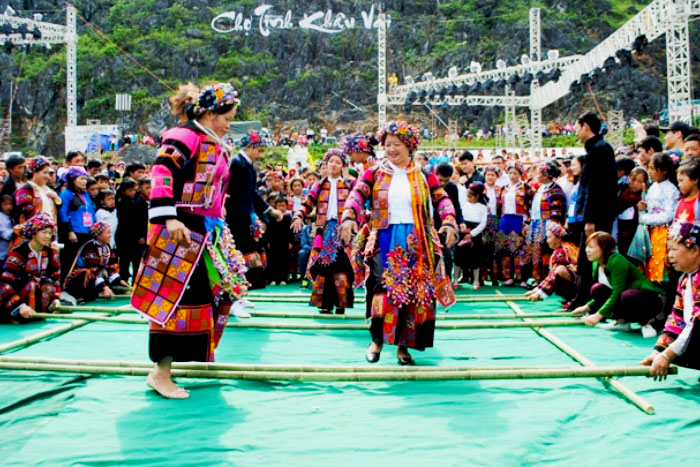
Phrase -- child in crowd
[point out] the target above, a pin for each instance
(5, 225)
(306, 239)
(488, 237)
(75, 217)
(444, 173)
(628, 212)
(296, 186)
(103, 183)
(688, 175)
(95, 270)
(469, 251)
(279, 238)
(129, 231)
(107, 213)
(92, 189)
(657, 212)
(515, 208)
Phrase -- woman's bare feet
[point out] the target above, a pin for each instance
(160, 381)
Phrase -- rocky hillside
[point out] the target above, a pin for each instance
(296, 74)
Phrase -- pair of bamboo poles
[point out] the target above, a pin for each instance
(334, 374)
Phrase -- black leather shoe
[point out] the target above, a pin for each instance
(340, 311)
(372, 357)
(403, 361)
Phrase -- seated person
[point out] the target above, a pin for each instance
(31, 280)
(96, 268)
(621, 291)
(561, 279)
(680, 342)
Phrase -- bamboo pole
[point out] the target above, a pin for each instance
(323, 326)
(266, 298)
(258, 366)
(473, 374)
(626, 392)
(43, 335)
(302, 315)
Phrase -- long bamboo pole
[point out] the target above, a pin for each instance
(305, 299)
(344, 317)
(258, 366)
(626, 392)
(43, 335)
(473, 374)
(323, 326)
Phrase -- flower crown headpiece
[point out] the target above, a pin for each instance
(685, 233)
(402, 130)
(214, 97)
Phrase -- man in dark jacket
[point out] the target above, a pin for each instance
(244, 205)
(597, 195)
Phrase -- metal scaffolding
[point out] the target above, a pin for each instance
(381, 65)
(535, 54)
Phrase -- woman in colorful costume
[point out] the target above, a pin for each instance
(512, 227)
(561, 279)
(548, 204)
(490, 234)
(403, 250)
(192, 272)
(31, 279)
(360, 150)
(35, 196)
(329, 266)
(96, 268)
(680, 341)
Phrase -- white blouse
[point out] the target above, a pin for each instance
(661, 199)
(476, 212)
(491, 193)
(509, 200)
(333, 199)
(400, 208)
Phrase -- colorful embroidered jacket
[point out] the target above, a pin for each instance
(523, 199)
(318, 197)
(373, 186)
(553, 204)
(675, 323)
(22, 266)
(189, 172)
(96, 261)
(566, 255)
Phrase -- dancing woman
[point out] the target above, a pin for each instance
(190, 178)
(402, 249)
(329, 266)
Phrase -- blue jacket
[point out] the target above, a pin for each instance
(72, 215)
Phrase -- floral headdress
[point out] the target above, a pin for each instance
(214, 97)
(556, 229)
(402, 130)
(336, 152)
(517, 166)
(685, 233)
(97, 228)
(550, 170)
(492, 168)
(39, 222)
(357, 143)
(37, 163)
(74, 172)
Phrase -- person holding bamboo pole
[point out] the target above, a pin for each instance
(31, 279)
(192, 272)
(680, 341)
(406, 273)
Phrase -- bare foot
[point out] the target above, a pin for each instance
(165, 386)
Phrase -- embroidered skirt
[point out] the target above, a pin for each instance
(330, 270)
(402, 296)
(510, 234)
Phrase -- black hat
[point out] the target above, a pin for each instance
(683, 127)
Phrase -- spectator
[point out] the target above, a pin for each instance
(107, 212)
(94, 166)
(135, 170)
(471, 174)
(5, 226)
(647, 148)
(692, 146)
(131, 228)
(75, 216)
(16, 167)
(674, 139)
(598, 187)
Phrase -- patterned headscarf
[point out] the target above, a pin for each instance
(74, 172)
(685, 233)
(408, 135)
(550, 170)
(97, 228)
(214, 97)
(252, 140)
(357, 143)
(556, 229)
(492, 168)
(336, 152)
(517, 166)
(39, 222)
(37, 163)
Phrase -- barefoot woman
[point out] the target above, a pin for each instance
(190, 179)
